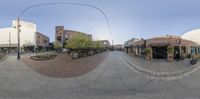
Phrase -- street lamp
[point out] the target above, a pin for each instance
(9, 42)
(18, 36)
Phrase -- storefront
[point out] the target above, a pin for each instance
(168, 47)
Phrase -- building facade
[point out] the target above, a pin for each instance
(128, 45)
(159, 47)
(62, 35)
(119, 47)
(42, 40)
(28, 36)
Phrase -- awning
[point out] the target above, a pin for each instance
(8, 45)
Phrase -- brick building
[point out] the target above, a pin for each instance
(42, 40)
(62, 35)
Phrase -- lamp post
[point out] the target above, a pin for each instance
(18, 35)
(9, 42)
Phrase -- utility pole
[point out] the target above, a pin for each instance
(18, 34)
(10, 41)
(112, 44)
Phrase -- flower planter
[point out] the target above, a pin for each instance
(193, 61)
(90, 53)
(170, 58)
(147, 57)
(74, 55)
(98, 51)
(39, 58)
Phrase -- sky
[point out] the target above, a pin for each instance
(127, 18)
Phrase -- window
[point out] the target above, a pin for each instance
(38, 42)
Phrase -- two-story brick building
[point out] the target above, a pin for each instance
(62, 35)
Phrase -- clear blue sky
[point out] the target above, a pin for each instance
(128, 18)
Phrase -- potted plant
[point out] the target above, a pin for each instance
(57, 47)
(147, 53)
(74, 54)
(170, 53)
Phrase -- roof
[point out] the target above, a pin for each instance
(165, 41)
(169, 41)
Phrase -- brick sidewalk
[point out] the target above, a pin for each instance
(64, 67)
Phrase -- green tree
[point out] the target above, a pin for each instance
(79, 41)
(147, 51)
(97, 45)
(57, 45)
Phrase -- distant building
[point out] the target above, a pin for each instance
(28, 36)
(131, 41)
(159, 46)
(119, 47)
(62, 35)
(129, 44)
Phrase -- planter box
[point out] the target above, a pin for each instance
(43, 58)
(170, 58)
(90, 53)
(193, 62)
(147, 58)
(98, 51)
(74, 55)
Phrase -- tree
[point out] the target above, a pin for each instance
(79, 41)
(147, 53)
(57, 46)
(97, 45)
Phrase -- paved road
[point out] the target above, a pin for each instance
(113, 79)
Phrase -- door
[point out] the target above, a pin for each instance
(160, 52)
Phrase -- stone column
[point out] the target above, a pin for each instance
(151, 53)
(170, 55)
(180, 52)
